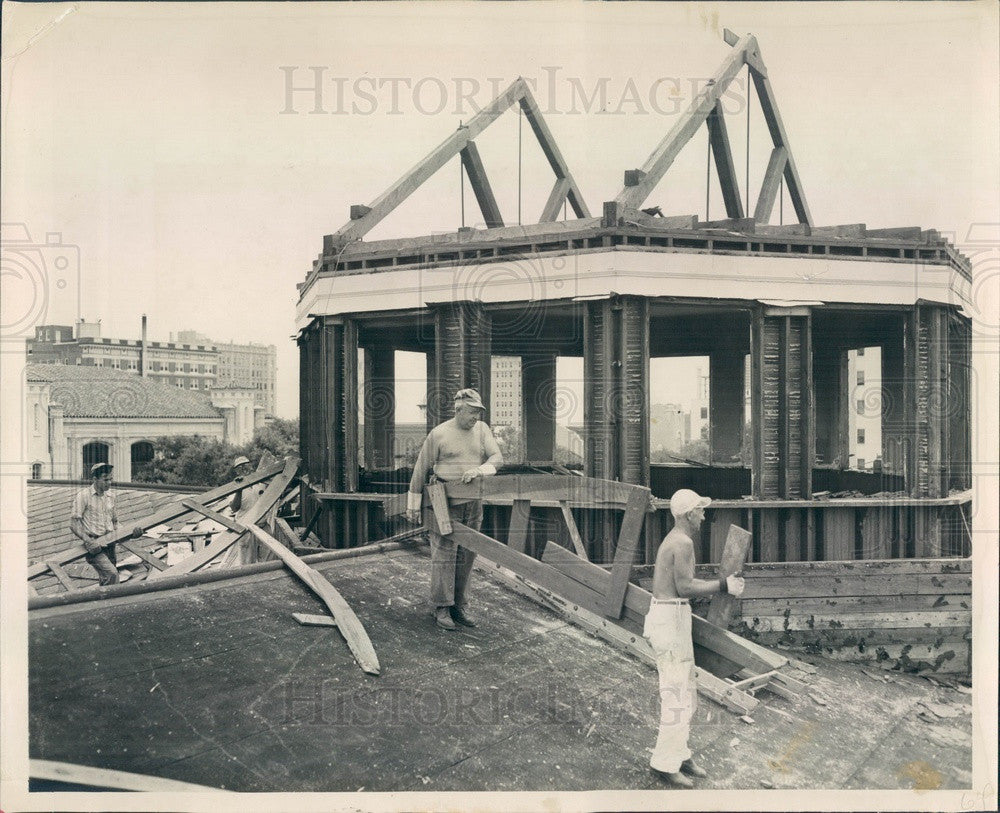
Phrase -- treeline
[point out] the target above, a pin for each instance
(200, 461)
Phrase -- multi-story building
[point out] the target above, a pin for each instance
(193, 362)
(864, 375)
(250, 366)
(505, 392)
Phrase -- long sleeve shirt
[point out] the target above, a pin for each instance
(449, 451)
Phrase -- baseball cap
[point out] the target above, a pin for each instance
(470, 397)
(100, 468)
(239, 461)
(685, 500)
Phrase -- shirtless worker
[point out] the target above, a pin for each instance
(460, 449)
(668, 629)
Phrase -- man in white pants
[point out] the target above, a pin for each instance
(668, 629)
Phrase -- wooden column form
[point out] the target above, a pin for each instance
(461, 357)
(726, 385)
(616, 389)
(380, 406)
(960, 393)
(831, 403)
(782, 403)
(538, 399)
(927, 399)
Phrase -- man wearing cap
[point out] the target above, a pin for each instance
(668, 629)
(460, 449)
(93, 516)
(242, 467)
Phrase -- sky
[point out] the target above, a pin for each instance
(159, 148)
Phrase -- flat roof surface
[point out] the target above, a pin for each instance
(218, 685)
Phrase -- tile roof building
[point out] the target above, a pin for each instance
(78, 416)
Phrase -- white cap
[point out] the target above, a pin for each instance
(239, 461)
(685, 500)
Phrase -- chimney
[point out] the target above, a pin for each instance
(142, 349)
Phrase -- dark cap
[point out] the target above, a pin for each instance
(100, 468)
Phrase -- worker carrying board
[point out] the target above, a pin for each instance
(668, 630)
(460, 449)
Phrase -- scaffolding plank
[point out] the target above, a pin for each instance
(625, 550)
(348, 623)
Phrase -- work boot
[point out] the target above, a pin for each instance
(443, 619)
(460, 617)
(675, 778)
(692, 768)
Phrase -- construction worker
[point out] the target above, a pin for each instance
(241, 467)
(460, 449)
(93, 516)
(668, 629)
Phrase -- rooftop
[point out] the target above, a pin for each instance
(98, 392)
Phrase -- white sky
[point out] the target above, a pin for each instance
(152, 137)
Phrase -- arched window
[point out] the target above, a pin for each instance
(93, 452)
(36, 471)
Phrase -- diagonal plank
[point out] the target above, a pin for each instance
(148, 558)
(723, 154)
(348, 623)
(253, 515)
(205, 511)
(574, 532)
(517, 531)
(439, 503)
(62, 575)
(628, 544)
(168, 513)
(481, 186)
(769, 186)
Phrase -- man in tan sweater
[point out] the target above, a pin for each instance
(460, 449)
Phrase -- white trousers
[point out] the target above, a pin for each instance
(668, 630)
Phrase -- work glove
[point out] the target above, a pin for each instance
(733, 585)
(137, 532)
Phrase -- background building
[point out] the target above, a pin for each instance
(193, 362)
(80, 415)
(864, 376)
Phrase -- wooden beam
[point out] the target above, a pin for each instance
(224, 521)
(520, 519)
(719, 138)
(481, 186)
(687, 125)
(149, 559)
(769, 186)
(61, 574)
(625, 549)
(224, 540)
(734, 555)
(768, 105)
(166, 514)
(439, 504)
(551, 150)
(574, 533)
(708, 684)
(552, 486)
(113, 780)
(309, 620)
(348, 623)
(556, 197)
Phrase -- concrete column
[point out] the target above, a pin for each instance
(538, 399)
(725, 398)
(616, 389)
(831, 444)
(380, 406)
(927, 400)
(782, 403)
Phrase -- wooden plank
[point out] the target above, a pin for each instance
(164, 515)
(769, 187)
(61, 574)
(884, 605)
(284, 533)
(517, 531)
(554, 486)
(625, 550)
(439, 504)
(309, 620)
(723, 154)
(856, 586)
(555, 201)
(227, 538)
(148, 558)
(845, 621)
(686, 126)
(112, 780)
(838, 534)
(708, 684)
(720, 611)
(224, 521)
(574, 532)
(480, 182)
(769, 548)
(348, 623)
(881, 567)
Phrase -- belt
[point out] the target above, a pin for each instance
(669, 601)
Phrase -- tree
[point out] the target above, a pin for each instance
(188, 460)
(280, 437)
